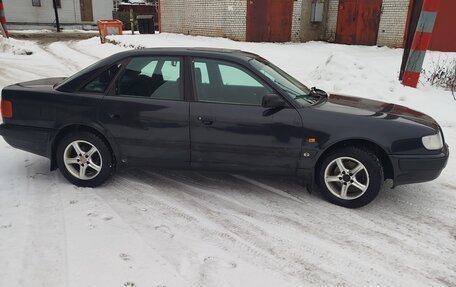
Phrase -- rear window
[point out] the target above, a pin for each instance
(101, 83)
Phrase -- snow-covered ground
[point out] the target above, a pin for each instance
(176, 228)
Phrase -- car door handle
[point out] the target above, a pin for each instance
(114, 116)
(206, 120)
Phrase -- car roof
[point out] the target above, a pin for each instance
(191, 51)
(73, 82)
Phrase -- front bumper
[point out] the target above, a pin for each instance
(418, 168)
(31, 139)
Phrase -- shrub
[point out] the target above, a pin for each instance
(442, 73)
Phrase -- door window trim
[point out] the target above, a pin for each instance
(242, 67)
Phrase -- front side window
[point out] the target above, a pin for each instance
(152, 77)
(101, 82)
(295, 89)
(223, 82)
(36, 3)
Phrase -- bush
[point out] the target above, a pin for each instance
(442, 74)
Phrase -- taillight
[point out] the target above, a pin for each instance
(7, 109)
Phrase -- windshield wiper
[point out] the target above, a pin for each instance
(308, 98)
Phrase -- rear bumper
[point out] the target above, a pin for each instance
(418, 168)
(30, 139)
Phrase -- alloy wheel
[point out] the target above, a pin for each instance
(82, 159)
(346, 178)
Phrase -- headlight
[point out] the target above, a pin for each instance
(433, 142)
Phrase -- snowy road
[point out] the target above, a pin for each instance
(181, 228)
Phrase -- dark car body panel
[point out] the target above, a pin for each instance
(217, 136)
(148, 131)
(245, 137)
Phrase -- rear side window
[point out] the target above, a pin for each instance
(152, 77)
(101, 83)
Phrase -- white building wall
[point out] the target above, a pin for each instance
(102, 9)
(392, 23)
(22, 11)
(224, 18)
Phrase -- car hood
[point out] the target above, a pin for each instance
(372, 108)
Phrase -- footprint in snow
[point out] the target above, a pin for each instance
(91, 214)
(129, 284)
(165, 230)
(73, 201)
(107, 218)
(125, 257)
(220, 262)
(5, 226)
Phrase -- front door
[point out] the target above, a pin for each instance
(146, 114)
(269, 20)
(231, 130)
(86, 10)
(358, 22)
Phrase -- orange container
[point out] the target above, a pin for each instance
(109, 27)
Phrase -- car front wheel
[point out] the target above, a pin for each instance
(84, 159)
(351, 177)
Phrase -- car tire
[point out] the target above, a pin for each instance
(84, 159)
(350, 177)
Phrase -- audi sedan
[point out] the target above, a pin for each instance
(222, 110)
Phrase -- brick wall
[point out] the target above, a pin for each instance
(392, 23)
(223, 18)
(296, 21)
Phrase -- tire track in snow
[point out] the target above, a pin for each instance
(46, 265)
(268, 246)
(207, 230)
(71, 58)
(268, 187)
(74, 46)
(371, 250)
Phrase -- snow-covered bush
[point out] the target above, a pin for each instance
(442, 73)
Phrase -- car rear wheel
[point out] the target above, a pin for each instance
(84, 159)
(351, 177)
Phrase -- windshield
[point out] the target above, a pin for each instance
(287, 83)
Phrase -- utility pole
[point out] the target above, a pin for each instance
(56, 15)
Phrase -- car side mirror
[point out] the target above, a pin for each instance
(272, 101)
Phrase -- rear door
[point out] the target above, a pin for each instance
(229, 127)
(145, 112)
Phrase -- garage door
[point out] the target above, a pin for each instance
(358, 22)
(269, 20)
